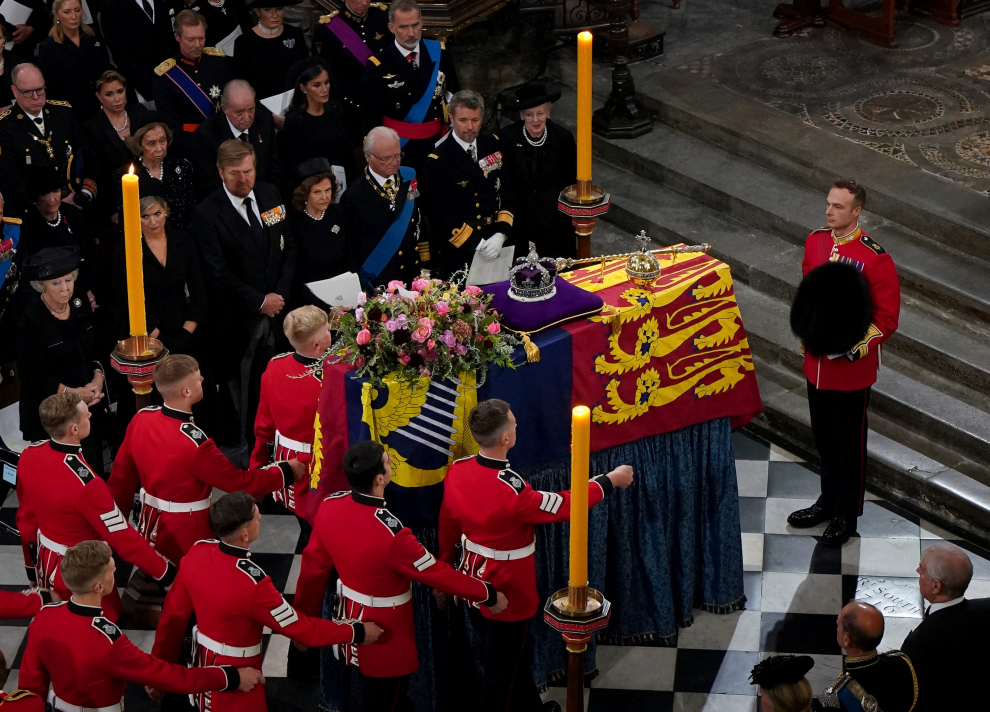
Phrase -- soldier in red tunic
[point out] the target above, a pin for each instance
(77, 658)
(290, 389)
(376, 557)
(490, 511)
(20, 604)
(62, 502)
(839, 385)
(177, 465)
(234, 600)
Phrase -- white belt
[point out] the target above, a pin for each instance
(497, 554)
(64, 706)
(374, 601)
(231, 651)
(281, 440)
(166, 506)
(52, 545)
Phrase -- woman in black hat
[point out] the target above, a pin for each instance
(540, 159)
(320, 231)
(314, 124)
(8, 61)
(782, 682)
(57, 349)
(264, 54)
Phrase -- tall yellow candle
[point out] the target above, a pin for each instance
(580, 457)
(584, 107)
(132, 253)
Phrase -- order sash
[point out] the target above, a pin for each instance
(389, 244)
(418, 111)
(352, 42)
(192, 90)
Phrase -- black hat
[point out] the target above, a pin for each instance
(51, 262)
(312, 167)
(529, 95)
(41, 180)
(260, 4)
(780, 669)
(832, 309)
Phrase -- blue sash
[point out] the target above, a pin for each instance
(849, 700)
(191, 89)
(389, 244)
(8, 243)
(418, 111)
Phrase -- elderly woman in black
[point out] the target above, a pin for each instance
(159, 173)
(72, 57)
(57, 349)
(540, 159)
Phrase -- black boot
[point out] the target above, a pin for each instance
(838, 531)
(804, 518)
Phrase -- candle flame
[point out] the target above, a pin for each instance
(581, 410)
(585, 36)
(131, 171)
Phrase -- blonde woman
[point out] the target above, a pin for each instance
(782, 682)
(72, 58)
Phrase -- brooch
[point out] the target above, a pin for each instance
(281, 243)
(491, 162)
(214, 92)
(273, 216)
(290, 43)
(178, 170)
(77, 302)
(439, 90)
(378, 36)
(389, 76)
(335, 229)
(396, 85)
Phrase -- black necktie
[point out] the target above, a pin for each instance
(252, 218)
(149, 9)
(244, 137)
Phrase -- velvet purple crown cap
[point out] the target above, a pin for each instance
(533, 278)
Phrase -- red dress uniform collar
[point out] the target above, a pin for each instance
(492, 462)
(305, 360)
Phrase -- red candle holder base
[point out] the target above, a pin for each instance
(136, 358)
(584, 203)
(576, 612)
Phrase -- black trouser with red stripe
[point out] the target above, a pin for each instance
(839, 425)
(385, 694)
(507, 683)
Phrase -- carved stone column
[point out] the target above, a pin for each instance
(622, 116)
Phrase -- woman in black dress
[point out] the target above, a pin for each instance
(314, 125)
(264, 54)
(319, 230)
(57, 349)
(222, 18)
(161, 174)
(540, 159)
(8, 61)
(72, 58)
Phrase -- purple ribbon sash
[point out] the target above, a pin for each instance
(346, 34)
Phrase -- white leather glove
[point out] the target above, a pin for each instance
(492, 246)
(481, 245)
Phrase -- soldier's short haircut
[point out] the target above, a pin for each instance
(188, 18)
(172, 370)
(362, 464)
(302, 323)
(854, 625)
(469, 99)
(377, 134)
(488, 420)
(232, 152)
(402, 6)
(59, 411)
(231, 512)
(84, 563)
(951, 566)
(854, 187)
(232, 85)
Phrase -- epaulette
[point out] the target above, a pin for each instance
(433, 155)
(495, 136)
(444, 138)
(164, 67)
(17, 695)
(55, 102)
(36, 443)
(872, 244)
(193, 433)
(379, 5)
(11, 221)
(514, 481)
(324, 19)
(337, 495)
(150, 408)
(389, 520)
(54, 604)
(443, 45)
(256, 573)
(107, 628)
(78, 468)
(214, 52)
(5, 114)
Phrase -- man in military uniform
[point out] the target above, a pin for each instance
(349, 40)
(467, 202)
(383, 215)
(409, 88)
(188, 86)
(839, 384)
(869, 680)
(38, 132)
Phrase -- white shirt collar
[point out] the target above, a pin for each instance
(462, 144)
(407, 52)
(381, 179)
(234, 130)
(141, 6)
(945, 604)
(238, 203)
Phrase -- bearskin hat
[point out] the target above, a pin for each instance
(832, 309)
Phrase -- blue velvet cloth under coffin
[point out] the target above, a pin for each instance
(567, 304)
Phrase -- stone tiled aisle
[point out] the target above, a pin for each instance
(794, 588)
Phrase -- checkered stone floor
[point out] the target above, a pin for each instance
(794, 589)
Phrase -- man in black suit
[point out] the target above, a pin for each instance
(239, 120)
(406, 91)
(248, 260)
(948, 649)
(139, 36)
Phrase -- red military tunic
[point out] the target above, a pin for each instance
(178, 466)
(21, 701)
(234, 600)
(487, 506)
(61, 503)
(290, 389)
(375, 557)
(20, 604)
(862, 252)
(88, 660)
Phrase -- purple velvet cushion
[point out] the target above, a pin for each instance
(568, 303)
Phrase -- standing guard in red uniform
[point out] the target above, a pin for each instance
(839, 385)
(490, 511)
(234, 600)
(62, 502)
(20, 604)
(77, 659)
(376, 557)
(290, 389)
(177, 465)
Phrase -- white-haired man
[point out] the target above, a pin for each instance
(382, 214)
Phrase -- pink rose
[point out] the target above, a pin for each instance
(362, 298)
(404, 359)
(359, 312)
(460, 349)
(472, 290)
(394, 286)
(421, 334)
(363, 337)
(427, 322)
(443, 309)
(431, 344)
(419, 284)
(448, 339)
(494, 328)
